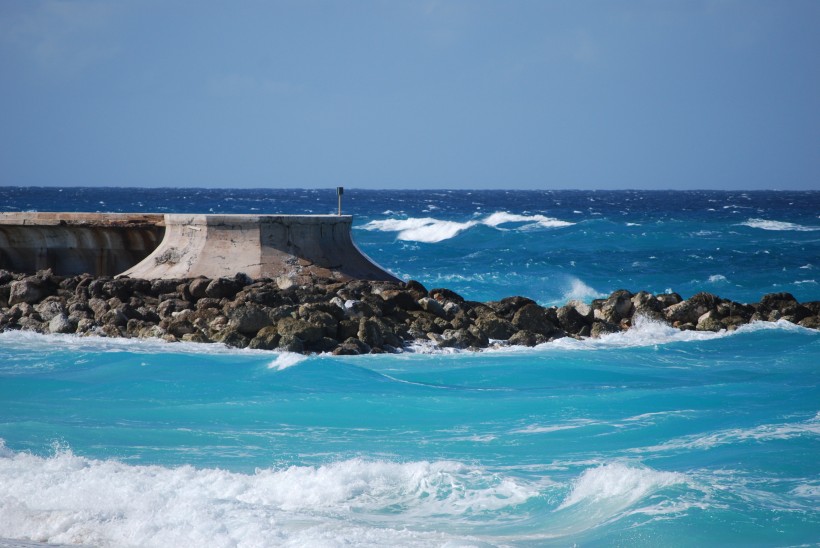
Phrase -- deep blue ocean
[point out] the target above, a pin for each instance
(651, 437)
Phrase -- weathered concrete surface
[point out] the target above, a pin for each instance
(153, 246)
(261, 246)
(76, 243)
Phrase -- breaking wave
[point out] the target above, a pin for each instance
(778, 225)
(430, 230)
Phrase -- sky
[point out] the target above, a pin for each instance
(515, 94)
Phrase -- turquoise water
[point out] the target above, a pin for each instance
(652, 437)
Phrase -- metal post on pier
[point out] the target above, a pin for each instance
(339, 191)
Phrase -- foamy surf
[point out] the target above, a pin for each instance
(431, 230)
(71, 499)
(765, 224)
(286, 360)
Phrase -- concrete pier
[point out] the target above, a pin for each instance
(76, 243)
(155, 246)
(261, 246)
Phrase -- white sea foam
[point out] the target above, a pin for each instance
(778, 225)
(285, 360)
(717, 278)
(70, 499)
(617, 486)
(579, 291)
(425, 229)
(732, 436)
(431, 230)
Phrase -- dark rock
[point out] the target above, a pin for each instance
(811, 322)
(506, 308)
(603, 328)
(495, 328)
(179, 328)
(443, 295)
(416, 289)
(197, 287)
(323, 345)
(159, 287)
(291, 343)
(351, 347)
(617, 307)
(232, 337)
(248, 319)
(266, 339)
(570, 320)
(51, 307)
(399, 299)
(29, 290)
(432, 306)
(454, 338)
(668, 299)
(527, 338)
(60, 323)
(710, 321)
(534, 318)
(290, 328)
(114, 317)
(776, 301)
(166, 308)
(370, 332)
(223, 288)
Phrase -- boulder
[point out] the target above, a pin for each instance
(248, 319)
(223, 288)
(28, 290)
(432, 306)
(534, 318)
(506, 308)
(617, 307)
(197, 288)
(266, 339)
(600, 328)
(291, 328)
(571, 320)
(495, 328)
(351, 347)
(527, 338)
(60, 323)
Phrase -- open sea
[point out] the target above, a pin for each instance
(651, 437)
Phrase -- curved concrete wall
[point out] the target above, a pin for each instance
(184, 246)
(261, 246)
(76, 243)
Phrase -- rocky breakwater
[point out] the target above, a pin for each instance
(348, 317)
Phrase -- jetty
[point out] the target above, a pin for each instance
(170, 246)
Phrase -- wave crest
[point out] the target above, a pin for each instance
(431, 230)
(765, 224)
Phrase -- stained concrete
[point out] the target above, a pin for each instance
(155, 246)
(261, 246)
(76, 243)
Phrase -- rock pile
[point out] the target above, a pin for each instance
(353, 317)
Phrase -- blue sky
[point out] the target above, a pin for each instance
(428, 94)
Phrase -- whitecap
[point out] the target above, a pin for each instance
(777, 225)
(715, 278)
(733, 436)
(285, 360)
(71, 499)
(431, 230)
(424, 229)
(580, 291)
(614, 486)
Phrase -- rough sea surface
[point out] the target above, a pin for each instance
(651, 437)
